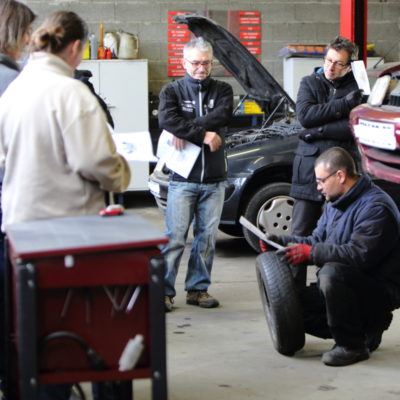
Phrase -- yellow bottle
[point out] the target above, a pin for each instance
(86, 51)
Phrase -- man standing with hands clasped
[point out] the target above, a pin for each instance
(356, 247)
(195, 109)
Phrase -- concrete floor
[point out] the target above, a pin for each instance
(227, 353)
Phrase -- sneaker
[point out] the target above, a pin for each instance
(169, 300)
(340, 356)
(201, 298)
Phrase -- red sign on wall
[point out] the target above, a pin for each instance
(250, 20)
(177, 36)
(245, 25)
(250, 35)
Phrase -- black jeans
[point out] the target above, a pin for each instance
(305, 216)
(304, 219)
(346, 304)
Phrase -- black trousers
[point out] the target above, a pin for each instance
(346, 305)
(305, 216)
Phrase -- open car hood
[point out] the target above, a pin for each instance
(250, 73)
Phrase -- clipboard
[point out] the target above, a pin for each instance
(260, 234)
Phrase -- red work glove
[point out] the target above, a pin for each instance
(263, 246)
(297, 254)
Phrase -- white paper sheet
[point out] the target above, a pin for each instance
(179, 161)
(360, 74)
(134, 146)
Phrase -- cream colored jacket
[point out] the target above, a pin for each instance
(55, 146)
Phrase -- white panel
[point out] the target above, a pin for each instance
(294, 69)
(123, 84)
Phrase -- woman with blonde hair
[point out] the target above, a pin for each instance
(15, 28)
(55, 146)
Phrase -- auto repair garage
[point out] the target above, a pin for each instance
(84, 296)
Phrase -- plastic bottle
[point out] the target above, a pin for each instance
(86, 51)
(94, 45)
(101, 49)
(131, 353)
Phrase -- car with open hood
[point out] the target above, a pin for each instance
(376, 125)
(259, 158)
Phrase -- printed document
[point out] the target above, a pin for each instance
(179, 161)
(134, 146)
(360, 74)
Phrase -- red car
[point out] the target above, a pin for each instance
(376, 124)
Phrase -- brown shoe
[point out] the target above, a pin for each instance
(201, 298)
(169, 300)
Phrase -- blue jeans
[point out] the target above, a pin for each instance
(201, 204)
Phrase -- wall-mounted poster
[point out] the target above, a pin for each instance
(244, 25)
(178, 35)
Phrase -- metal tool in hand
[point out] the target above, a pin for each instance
(260, 234)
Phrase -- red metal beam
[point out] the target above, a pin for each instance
(353, 24)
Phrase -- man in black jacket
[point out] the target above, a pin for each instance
(195, 109)
(356, 249)
(324, 102)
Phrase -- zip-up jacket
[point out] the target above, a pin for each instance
(362, 230)
(190, 107)
(321, 104)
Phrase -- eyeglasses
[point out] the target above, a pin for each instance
(338, 64)
(197, 64)
(321, 181)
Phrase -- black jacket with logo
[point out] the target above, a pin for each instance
(321, 105)
(181, 114)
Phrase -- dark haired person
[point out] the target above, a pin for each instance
(55, 147)
(356, 247)
(324, 101)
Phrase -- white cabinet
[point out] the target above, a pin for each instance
(123, 84)
(294, 69)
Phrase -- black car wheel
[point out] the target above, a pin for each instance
(281, 303)
(270, 209)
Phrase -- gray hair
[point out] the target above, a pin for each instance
(198, 43)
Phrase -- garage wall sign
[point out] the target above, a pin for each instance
(244, 25)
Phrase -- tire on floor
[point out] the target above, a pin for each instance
(281, 303)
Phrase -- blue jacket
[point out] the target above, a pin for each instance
(360, 229)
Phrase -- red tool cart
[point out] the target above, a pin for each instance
(78, 290)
